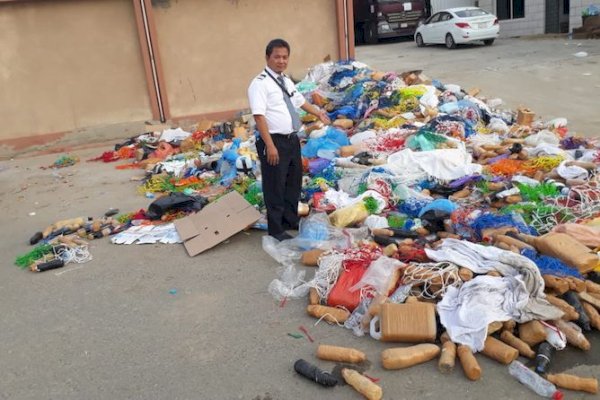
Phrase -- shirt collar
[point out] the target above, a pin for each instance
(275, 74)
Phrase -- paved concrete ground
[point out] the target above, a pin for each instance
(540, 73)
(111, 329)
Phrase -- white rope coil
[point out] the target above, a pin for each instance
(433, 278)
(78, 255)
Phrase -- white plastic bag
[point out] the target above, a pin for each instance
(498, 125)
(378, 274)
(555, 336)
(290, 285)
(283, 252)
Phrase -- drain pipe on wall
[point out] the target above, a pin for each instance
(345, 20)
(147, 36)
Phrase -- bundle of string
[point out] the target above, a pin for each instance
(540, 216)
(573, 142)
(544, 163)
(538, 192)
(411, 252)
(389, 141)
(77, 254)
(508, 167)
(371, 205)
(63, 161)
(406, 105)
(427, 140)
(451, 128)
(396, 221)
(581, 202)
(489, 220)
(361, 256)
(330, 266)
(433, 278)
(41, 250)
(480, 127)
(380, 185)
(383, 123)
(462, 220)
(412, 206)
(470, 114)
(110, 156)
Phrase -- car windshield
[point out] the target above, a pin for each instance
(477, 12)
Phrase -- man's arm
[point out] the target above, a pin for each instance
(263, 130)
(316, 111)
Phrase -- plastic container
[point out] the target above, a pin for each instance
(400, 295)
(412, 323)
(533, 381)
(543, 358)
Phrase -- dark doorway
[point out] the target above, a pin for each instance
(557, 16)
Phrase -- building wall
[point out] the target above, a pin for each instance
(439, 5)
(210, 50)
(76, 67)
(69, 64)
(532, 24)
(577, 6)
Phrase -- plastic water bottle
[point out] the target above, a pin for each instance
(533, 381)
(400, 294)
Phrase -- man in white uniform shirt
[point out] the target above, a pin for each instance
(273, 99)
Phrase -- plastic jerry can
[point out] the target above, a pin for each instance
(413, 323)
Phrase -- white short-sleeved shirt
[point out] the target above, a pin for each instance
(266, 98)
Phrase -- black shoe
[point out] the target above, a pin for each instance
(282, 236)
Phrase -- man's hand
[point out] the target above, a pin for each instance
(272, 155)
(322, 114)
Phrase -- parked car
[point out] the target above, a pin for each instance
(458, 25)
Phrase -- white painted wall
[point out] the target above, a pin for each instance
(439, 5)
(532, 24)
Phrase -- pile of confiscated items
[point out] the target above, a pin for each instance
(445, 219)
(431, 213)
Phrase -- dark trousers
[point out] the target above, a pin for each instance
(281, 183)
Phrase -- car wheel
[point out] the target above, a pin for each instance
(450, 43)
(419, 40)
(488, 42)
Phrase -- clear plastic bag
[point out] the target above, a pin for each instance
(354, 322)
(290, 284)
(378, 275)
(317, 232)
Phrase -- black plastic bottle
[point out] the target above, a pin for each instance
(543, 358)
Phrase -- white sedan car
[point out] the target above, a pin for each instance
(458, 25)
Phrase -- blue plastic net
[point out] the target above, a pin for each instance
(550, 265)
(337, 76)
(412, 206)
(488, 220)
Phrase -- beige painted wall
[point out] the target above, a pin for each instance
(211, 50)
(69, 64)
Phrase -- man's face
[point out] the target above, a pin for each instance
(278, 59)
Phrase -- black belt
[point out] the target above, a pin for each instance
(284, 134)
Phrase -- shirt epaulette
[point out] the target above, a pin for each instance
(262, 76)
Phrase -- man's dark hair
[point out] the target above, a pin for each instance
(276, 43)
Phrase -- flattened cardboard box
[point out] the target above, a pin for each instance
(216, 222)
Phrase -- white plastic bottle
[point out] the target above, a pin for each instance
(533, 381)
